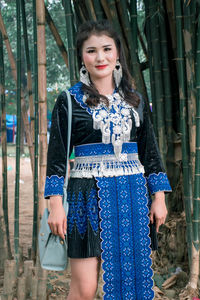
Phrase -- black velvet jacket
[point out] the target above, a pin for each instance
(83, 133)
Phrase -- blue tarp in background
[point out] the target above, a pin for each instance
(10, 121)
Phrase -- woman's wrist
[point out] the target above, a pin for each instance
(55, 201)
(159, 196)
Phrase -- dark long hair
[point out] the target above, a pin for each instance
(100, 28)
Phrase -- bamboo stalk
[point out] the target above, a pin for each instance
(98, 9)
(142, 42)
(28, 65)
(4, 146)
(28, 267)
(71, 50)
(17, 168)
(196, 205)
(90, 9)
(79, 14)
(56, 36)
(183, 124)
(194, 270)
(34, 285)
(3, 238)
(172, 24)
(23, 104)
(130, 29)
(111, 13)
(134, 27)
(110, 10)
(10, 277)
(42, 283)
(193, 18)
(35, 190)
(191, 105)
(21, 288)
(42, 87)
(167, 87)
(158, 78)
(151, 67)
(83, 9)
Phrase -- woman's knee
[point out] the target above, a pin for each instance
(84, 278)
(87, 291)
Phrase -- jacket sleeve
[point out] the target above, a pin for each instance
(149, 154)
(57, 149)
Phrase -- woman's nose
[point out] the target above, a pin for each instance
(100, 55)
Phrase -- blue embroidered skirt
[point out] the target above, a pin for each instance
(108, 217)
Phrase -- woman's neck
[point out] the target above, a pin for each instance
(105, 86)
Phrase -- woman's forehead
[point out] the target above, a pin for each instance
(96, 41)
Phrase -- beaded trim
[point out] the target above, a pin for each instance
(106, 166)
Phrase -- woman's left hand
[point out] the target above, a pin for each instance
(158, 210)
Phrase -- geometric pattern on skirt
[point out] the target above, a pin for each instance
(83, 230)
(125, 238)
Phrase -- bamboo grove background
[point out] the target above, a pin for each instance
(163, 53)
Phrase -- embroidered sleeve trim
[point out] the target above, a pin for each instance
(53, 186)
(158, 182)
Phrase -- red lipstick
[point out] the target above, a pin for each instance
(100, 67)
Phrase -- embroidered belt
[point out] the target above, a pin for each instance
(99, 160)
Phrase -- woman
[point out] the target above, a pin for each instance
(107, 192)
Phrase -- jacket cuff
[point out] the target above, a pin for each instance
(53, 186)
(158, 182)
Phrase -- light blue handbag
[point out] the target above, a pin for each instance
(52, 249)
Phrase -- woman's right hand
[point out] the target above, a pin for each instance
(57, 219)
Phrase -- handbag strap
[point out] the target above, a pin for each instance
(69, 128)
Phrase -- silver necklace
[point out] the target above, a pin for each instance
(114, 121)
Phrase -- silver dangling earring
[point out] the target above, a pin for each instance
(84, 75)
(117, 73)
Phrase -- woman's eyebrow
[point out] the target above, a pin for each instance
(92, 47)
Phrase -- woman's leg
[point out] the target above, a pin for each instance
(84, 278)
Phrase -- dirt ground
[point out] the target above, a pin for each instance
(58, 283)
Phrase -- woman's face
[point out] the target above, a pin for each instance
(99, 56)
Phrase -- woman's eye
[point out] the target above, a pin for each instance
(91, 51)
(107, 49)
